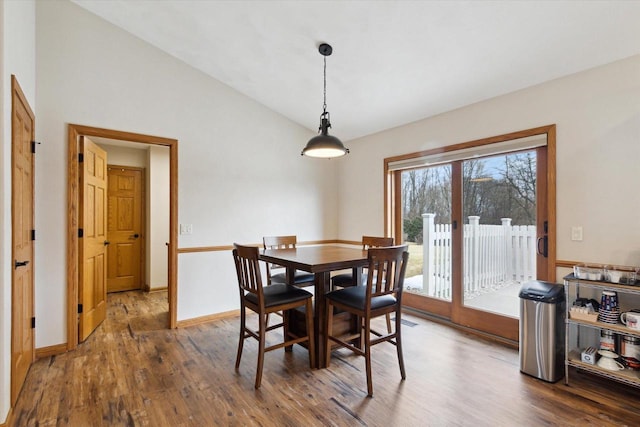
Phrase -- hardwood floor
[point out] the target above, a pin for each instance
(134, 372)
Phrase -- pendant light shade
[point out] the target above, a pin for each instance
(324, 145)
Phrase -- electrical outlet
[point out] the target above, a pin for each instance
(576, 234)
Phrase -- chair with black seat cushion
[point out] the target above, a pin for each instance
(345, 280)
(382, 295)
(276, 273)
(265, 300)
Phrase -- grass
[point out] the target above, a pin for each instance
(414, 268)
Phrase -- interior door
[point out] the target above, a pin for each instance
(22, 214)
(125, 225)
(92, 293)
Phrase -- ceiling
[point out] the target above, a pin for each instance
(393, 62)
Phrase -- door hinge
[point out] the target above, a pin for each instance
(455, 224)
(80, 232)
(79, 308)
(33, 146)
(80, 157)
(33, 234)
(33, 323)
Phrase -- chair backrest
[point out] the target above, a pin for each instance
(248, 270)
(376, 242)
(387, 267)
(279, 242)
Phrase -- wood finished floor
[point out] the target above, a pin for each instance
(133, 372)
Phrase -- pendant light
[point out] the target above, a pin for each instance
(324, 145)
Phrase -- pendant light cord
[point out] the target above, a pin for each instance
(324, 105)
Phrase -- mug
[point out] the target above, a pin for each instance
(610, 364)
(631, 319)
(609, 300)
(630, 347)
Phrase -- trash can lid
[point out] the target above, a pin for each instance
(542, 291)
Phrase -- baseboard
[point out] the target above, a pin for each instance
(207, 319)
(150, 290)
(52, 350)
(6, 421)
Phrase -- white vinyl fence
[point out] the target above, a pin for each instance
(494, 255)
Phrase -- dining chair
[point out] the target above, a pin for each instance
(265, 300)
(344, 280)
(382, 295)
(301, 278)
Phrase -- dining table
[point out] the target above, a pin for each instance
(320, 260)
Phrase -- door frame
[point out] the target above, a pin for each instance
(393, 227)
(73, 191)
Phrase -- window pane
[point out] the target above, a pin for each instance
(426, 223)
(499, 235)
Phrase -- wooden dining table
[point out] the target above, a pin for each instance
(321, 261)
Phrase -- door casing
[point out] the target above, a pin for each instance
(74, 131)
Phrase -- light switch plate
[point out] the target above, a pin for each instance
(186, 228)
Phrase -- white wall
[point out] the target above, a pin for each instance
(236, 158)
(597, 113)
(125, 156)
(157, 217)
(17, 56)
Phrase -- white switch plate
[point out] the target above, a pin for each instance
(576, 234)
(186, 228)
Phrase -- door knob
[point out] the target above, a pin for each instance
(135, 236)
(20, 263)
(107, 243)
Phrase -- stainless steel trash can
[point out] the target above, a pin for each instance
(542, 313)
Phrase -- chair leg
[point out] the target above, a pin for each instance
(262, 320)
(241, 340)
(286, 316)
(310, 334)
(399, 344)
(328, 331)
(367, 356)
(388, 316)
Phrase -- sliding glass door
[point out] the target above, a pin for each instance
(476, 221)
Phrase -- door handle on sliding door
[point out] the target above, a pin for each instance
(545, 246)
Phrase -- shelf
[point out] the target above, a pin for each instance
(598, 284)
(572, 358)
(619, 328)
(627, 376)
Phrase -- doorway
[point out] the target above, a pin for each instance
(74, 133)
(479, 219)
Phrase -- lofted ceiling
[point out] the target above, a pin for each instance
(393, 62)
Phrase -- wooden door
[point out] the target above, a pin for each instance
(125, 224)
(92, 293)
(23, 234)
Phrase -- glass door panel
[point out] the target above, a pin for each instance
(499, 232)
(426, 228)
